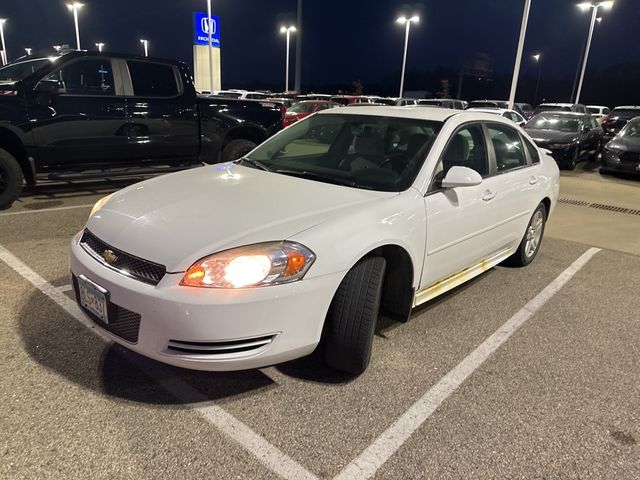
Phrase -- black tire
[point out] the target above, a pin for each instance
(11, 179)
(523, 256)
(236, 149)
(353, 315)
(573, 161)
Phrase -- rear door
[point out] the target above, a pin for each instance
(162, 108)
(83, 122)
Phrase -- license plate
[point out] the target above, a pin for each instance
(94, 298)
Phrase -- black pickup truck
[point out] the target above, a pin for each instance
(98, 115)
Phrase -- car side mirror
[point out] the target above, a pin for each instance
(461, 177)
(48, 87)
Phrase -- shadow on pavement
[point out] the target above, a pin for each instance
(63, 345)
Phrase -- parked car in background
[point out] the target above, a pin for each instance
(300, 110)
(403, 102)
(84, 115)
(571, 137)
(598, 111)
(287, 102)
(512, 115)
(523, 109)
(617, 119)
(560, 107)
(349, 99)
(442, 103)
(307, 239)
(622, 153)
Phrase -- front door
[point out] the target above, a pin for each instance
(84, 122)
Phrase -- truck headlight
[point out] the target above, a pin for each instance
(256, 265)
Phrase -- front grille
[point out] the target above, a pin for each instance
(122, 322)
(221, 348)
(630, 157)
(124, 263)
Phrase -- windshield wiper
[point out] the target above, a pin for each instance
(254, 163)
(321, 177)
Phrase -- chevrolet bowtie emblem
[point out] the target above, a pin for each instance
(109, 257)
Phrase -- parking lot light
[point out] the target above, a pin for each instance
(74, 7)
(287, 30)
(594, 6)
(57, 48)
(145, 43)
(100, 45)
(4, 47)
(407, 23)
(538, 59)
(28, 50)
(516, 67)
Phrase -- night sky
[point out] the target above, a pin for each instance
(343, 39)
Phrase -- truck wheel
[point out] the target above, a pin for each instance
(530, 244)
(236, 149)
(353, 315)
(11, 179)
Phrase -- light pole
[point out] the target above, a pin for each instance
(75, 6)
(4, 47)
(210, 28)
(100, 45)
(28, 50)
(538, 59)
(298, 81)
(407, 23)
(287, 31)
(516, 67)
(594, 5)
(146, 46)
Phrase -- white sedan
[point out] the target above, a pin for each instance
(339, 218)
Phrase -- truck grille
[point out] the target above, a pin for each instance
(121, 262)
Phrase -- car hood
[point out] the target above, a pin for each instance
(177, 219)
(627, 144)
(551, 136)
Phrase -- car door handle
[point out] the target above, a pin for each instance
(533, 181)
(489, 195)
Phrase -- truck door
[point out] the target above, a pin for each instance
(82, 120)
(163, 115)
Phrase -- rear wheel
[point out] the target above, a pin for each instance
(573, 161)
(236, 149)
(11, 179)
(530, 244)
(353, 315)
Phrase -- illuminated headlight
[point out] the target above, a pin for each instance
(256, 265)
(560, 146)
(99, 204)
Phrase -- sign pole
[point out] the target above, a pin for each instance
(210, 28)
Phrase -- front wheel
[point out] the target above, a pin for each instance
(353, 315)
(573, 161)
(530, 244)
(11, 179)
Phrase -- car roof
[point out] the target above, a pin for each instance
(569, 114)
(422, 113)
(557, 104)
(628, 107)
(498, 111)
(597, 106)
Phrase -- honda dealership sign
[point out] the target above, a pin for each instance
(201, 29)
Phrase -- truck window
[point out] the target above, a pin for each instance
(85, 77)
(153, 79)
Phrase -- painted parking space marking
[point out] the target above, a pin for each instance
(266, 453)
(45, 210)
(373, 457)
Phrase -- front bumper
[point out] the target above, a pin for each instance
(213, 329)
(613, 163)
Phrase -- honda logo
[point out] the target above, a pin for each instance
(204, 25)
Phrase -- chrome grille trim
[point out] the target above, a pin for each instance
(221, 348)
(126, 264)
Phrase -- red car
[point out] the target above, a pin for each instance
(303, 109)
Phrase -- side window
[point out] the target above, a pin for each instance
(466, 148)
(153, 79)
(507, 147)
(533, 152)
(86, 77)
(606, 111)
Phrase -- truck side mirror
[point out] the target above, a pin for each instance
(48, 87)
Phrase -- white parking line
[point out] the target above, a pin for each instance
(65, 288)
(43, 210)
(373, 457)
(268, 454)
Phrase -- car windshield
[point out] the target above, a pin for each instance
(626, 112)
(15, 72)
(558, 122)
(553, 108)
(360, 151)
(631, 130)
(595, 110)
(302, 107)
